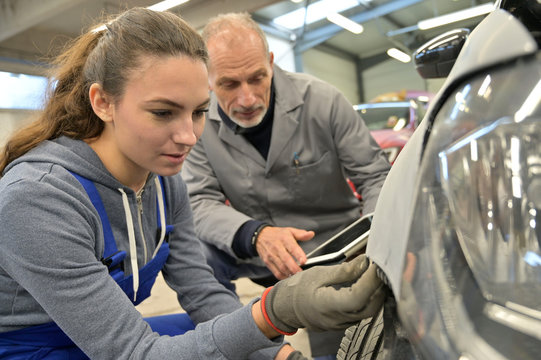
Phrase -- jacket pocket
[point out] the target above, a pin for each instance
(308, 183)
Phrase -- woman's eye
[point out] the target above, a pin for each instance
(161, 113)
(200, 113)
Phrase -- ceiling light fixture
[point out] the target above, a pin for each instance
(166, 5)
(456, 16)
(346, 23)
(314, 12)
(161, 6)
(399, 55)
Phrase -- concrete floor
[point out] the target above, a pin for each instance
(164, 301)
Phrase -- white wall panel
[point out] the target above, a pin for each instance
(10, 120)
(389, 76)
(334, 70)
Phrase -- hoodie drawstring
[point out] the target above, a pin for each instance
(133, 245)
(161, 211)
(131, 232)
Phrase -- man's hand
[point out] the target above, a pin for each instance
(278, 248)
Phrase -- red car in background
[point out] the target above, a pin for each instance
(393, 117)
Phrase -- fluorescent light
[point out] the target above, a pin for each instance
(398, 55)
(346, 23)
(161, 6)
(166, 5)
(296, 1)
(456, 16)
(316, 11)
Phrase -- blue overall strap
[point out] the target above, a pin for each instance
(48, 341)
(109, 240)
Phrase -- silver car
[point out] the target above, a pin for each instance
(461, 253)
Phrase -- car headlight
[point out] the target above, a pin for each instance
(471, 284)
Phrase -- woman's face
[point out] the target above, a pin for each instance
(157, 121)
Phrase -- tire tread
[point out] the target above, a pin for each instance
(363, 341)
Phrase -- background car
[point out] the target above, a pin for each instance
(461, 256)
(392, 123)
(392, 118)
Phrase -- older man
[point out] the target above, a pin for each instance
(268, 178)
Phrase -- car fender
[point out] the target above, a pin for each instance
(499, 37)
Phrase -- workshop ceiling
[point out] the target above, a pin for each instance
(31, 30)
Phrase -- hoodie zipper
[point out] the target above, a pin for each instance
(139, 197)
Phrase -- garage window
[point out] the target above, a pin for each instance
(21, 91)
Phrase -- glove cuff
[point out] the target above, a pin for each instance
(268, 305)
(296, 355)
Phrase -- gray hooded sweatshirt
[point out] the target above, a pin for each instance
(51, 240)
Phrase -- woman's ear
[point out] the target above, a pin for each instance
(101, 102)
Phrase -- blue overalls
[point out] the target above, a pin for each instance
(49, 341)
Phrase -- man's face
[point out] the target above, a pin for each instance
(240, 74)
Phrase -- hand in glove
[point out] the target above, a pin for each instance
(324, 297)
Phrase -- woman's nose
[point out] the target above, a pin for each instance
(184, 132)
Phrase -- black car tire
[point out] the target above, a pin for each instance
(378, 338)
(364, 340)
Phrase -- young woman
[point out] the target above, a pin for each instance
(92, 208)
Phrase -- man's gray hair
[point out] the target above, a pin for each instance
(233, 20)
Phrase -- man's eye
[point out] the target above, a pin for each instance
(229, 84)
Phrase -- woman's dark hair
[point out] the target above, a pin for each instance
(106, 56)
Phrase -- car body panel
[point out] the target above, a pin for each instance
(461, 249)
(499, 37)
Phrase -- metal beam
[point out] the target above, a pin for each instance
(197, 13)
(299, 65)
(17, 16)
(271, 29)
(22, 66)
(317, 36)
(360, 80)
(366, 63)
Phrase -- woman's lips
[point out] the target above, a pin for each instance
(176, 158)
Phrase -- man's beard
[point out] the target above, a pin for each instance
(253, 122)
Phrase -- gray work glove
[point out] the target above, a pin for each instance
(325, 297)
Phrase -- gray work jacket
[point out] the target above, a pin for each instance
(318, 141)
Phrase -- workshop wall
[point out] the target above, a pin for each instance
(11, 120)
(334, 70)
